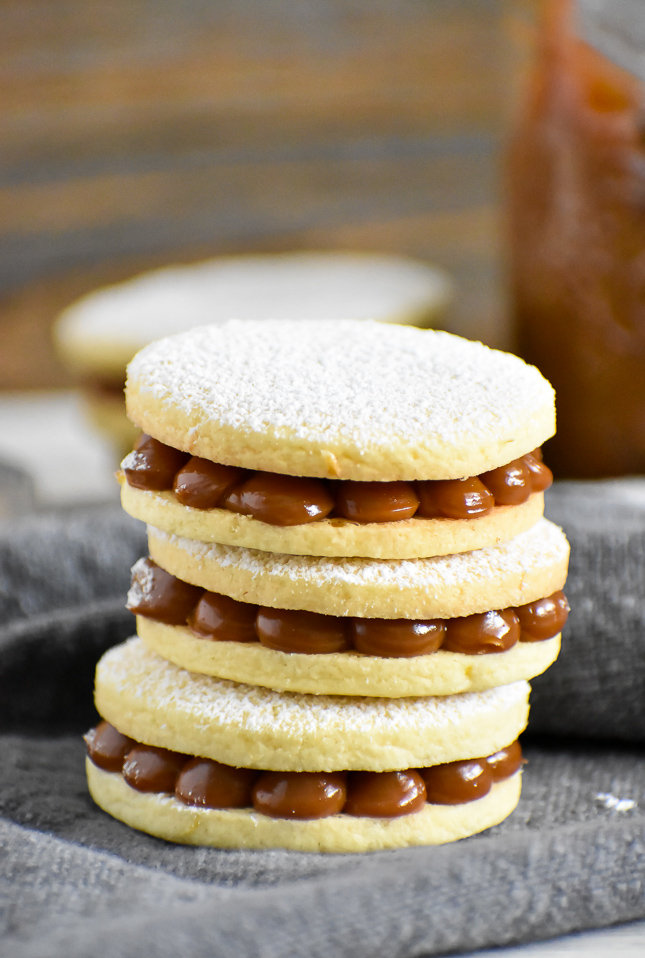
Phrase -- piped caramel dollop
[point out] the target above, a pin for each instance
(385, 794)
(202, 483)
(375, 501)
(483, 632)
(543, 618)
(281, 500)
(108, 748)
(290, 630)
(153, 465)
(151, 769)
(457, 782)
(300, 794)
(209, 784)
(454, 499)
(159, 594)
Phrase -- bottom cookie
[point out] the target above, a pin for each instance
(165, 817)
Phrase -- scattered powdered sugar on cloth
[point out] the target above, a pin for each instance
(168, 689)
(541, 546)
(362, 382)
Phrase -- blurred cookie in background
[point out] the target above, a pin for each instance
(98, 335)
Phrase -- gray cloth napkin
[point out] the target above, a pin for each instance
(74, 882)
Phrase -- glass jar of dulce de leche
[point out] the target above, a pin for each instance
(577, 220)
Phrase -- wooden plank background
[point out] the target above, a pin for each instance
(139, 132)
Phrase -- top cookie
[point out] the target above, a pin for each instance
(346, 400)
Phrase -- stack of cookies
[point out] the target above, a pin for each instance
(349, 583)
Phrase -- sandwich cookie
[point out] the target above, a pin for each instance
(340, 439)
(302, 651)
(210, 762)
(158, 703)
(196, 801)
(414, 520)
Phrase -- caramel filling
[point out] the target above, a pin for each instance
(293, 500)
(205, 783)
(159, 595)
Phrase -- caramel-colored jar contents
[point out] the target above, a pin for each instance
(288, 630)
(375, 501)
(151, 769)
(384, 794)
(107, 748)
(506, 762)
(152, 465)
(482, 633)
(160, 595)
(208, 784)
(281, 500)
(300, 794)
(577, 247)
(456, 783)
(223, 619)
(202, 483)
(454, 498)
(510, 484)
(397, 638)
(543, 618)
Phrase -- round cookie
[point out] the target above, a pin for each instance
(347, 673)
(157, 703)
(101, 332)
(168, 818)
(521, 570)
(344, 400)
(405, 539)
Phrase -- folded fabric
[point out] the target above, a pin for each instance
(74, 882)
(597, 686)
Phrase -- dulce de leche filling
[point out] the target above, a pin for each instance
(159, 595)
(205, 783)
(292, 500)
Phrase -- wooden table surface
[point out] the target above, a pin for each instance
(140, 133)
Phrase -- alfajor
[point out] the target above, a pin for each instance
(434, 626)
(200, 760)
(339, 439)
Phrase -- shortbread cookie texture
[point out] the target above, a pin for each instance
(166, 817)
(347, 673)
(343, 400)
(335, 537)
(157, 703)
(531, 565)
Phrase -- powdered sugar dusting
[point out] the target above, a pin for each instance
(142, 584)
(156, 684)
(541, 546)
(358, 383)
